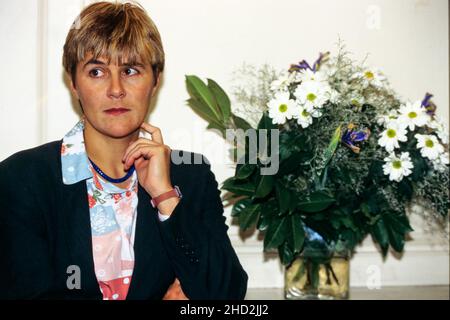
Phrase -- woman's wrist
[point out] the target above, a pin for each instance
(166, 207)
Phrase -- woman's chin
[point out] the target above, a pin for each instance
(120, 131)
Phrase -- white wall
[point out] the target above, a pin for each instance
(407, 39)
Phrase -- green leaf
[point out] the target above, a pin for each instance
(284, 197)
(247, 213)
(221, 98)
(200, 91)
(397, 227)
(276, 233)
(380, 235)
(241, 123)
(266, 122)
(245, 171)
(323, 178)
(240, 205)
(406, 188)
(374, 202)
(239, 187)
(329, 151)
(203, 111)
(316, 202)
(399, 222)
(218, 127)
(290, 164)
(420, 167)
(269, 212)
(265, 186)
(396, 240)
(297, 232)
(286, 254)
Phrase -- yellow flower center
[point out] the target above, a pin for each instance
(305, 113)
(311, 97)
(369, 75)
(356, 103)
(429, 143)
(391, 133)
(397, 164)
(283, 107)
(412, 115)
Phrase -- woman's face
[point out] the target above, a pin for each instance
(115, 98)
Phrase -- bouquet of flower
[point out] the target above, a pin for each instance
(353, 156)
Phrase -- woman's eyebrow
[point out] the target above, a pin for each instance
(133, 64)
(93, 61)
(125, 64)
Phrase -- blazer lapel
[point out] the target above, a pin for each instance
(146, 238)
(75, 209)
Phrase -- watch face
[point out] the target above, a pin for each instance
(177, 189)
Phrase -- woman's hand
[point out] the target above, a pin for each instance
(151, 159)
(175, 292)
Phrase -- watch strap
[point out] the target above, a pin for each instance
(175, 192)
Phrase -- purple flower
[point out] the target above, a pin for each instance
(352, 137)
(303, 65)
(428, 104)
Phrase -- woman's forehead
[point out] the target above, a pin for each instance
(118, 59)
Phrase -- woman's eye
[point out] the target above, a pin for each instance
(96, 73)
(131, 71)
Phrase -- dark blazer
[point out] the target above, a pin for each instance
(45, 228)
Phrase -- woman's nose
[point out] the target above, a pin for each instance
(116, 89)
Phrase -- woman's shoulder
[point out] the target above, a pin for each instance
(37, 159)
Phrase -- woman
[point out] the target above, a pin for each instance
(104, 213)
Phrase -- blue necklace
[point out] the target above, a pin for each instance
(108, 178)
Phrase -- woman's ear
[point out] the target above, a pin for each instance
(73, 89)
(156, 86)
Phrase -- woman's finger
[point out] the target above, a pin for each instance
(140, 151)
(133, 146)
(154, 131)
(143, 150)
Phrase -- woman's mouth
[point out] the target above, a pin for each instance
(116, 111)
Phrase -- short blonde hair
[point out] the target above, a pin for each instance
(114, 31)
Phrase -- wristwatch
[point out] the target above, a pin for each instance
(175, 192)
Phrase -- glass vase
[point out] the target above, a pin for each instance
(318, 277)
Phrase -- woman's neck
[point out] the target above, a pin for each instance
(107, 152)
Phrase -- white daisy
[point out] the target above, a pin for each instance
(309, 75)
(441, 162)
(281, 108)
(311, 94)
(304, 118)
(412, 114)
(395, 132)
(441, 129)
(371, 76)
(385, 119)
(429, 146)
(356, 99)
(283, 82)
(397, 167)
(333, 96)
(329, 69)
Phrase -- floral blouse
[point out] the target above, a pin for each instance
(113, 212)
